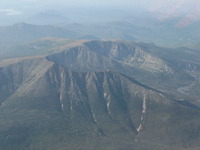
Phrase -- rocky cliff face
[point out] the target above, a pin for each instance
(131, 54)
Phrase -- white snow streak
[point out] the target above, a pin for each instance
(94, 118)
(61, 102)
(108, 101)
(144, 108)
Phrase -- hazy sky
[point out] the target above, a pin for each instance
(18, 5)
(164, 8)
(12, 7)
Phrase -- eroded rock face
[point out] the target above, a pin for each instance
(131, 54)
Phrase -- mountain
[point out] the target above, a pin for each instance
(166, 69)
(42, 46)
(48, 17)
(172, 70)
(149, 30)
(88, 97)
(22, 32)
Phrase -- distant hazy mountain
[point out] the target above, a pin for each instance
(42, 46)
(50, 17)
(23, 32)
(86, 97)
(163, 34)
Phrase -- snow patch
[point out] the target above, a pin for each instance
(139, 128)
(94, 118)
(108, 102)
(62, 107)
(144, 108)
(61, 102)
(105, 95)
